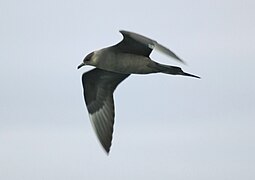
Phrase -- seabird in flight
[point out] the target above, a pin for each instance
(113, 65)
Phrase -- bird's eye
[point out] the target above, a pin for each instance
(88, 57)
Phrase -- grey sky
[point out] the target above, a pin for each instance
(166, 127)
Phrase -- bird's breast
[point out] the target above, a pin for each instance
(126, 63)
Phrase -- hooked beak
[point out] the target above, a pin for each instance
(82, 64)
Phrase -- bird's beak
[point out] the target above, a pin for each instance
(82, 64)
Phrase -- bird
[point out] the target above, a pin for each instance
(114, 64)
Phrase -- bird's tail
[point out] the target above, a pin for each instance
(174, 70)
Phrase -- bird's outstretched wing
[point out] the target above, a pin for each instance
(99, 86)
(137, 44)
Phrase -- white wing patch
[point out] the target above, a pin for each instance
(102, 122)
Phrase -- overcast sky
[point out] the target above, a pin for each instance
(166, 127)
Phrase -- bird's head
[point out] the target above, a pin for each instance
(88, 60)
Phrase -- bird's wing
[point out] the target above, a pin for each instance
(99, 86)
(137, 44)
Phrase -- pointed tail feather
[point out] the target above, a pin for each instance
(174, 70)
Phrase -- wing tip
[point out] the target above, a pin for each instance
(181, 60)
(107, 151)
(125, 33)
(106, 148)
